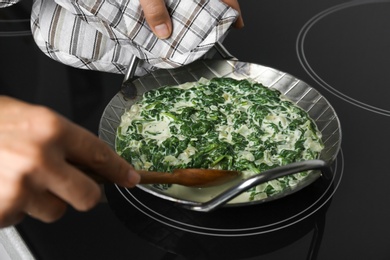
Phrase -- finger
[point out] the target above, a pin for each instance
(12, 202)
(8, 218)
(157, 16)
(235, 5)
(72, 186)
(45, 207)
(10, 214)
(84, 148)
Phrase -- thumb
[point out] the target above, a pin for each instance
(157, 16)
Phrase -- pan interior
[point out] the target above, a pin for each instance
(296, 90)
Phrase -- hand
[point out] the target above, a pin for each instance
(157, 16)
(235, 5)
(38, 150)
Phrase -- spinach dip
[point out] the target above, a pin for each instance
(222, 123)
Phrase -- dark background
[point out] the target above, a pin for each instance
(348, 49)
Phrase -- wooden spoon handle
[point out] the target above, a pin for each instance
(147, 177)
(150, 177)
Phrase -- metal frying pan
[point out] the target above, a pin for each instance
(319, 109)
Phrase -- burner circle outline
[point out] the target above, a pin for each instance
(15, 33)
(144, 209)
(299, 47)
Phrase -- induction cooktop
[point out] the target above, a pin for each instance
(340, 48)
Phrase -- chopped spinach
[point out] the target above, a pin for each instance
(221, 123)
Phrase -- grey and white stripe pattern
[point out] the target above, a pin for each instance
(103, 34)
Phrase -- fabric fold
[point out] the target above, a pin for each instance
(104, 34)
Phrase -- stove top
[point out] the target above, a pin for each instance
(341, 48)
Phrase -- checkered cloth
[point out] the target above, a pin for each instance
(104, 34)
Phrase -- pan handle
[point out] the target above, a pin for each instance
(129, 91)
(131, 69)
(134, 60)
(223, 51)
(260, 178)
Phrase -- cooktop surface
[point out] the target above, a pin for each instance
(340, 48)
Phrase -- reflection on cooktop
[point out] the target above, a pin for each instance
(356, 50)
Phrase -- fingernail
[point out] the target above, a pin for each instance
(134, 177)
(162, 31)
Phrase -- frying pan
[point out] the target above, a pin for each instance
(306, 97)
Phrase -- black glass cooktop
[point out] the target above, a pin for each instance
(341, 48)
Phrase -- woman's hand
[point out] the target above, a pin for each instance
(157, 16)
(38, 151)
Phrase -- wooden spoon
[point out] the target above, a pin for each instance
(188, 177)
